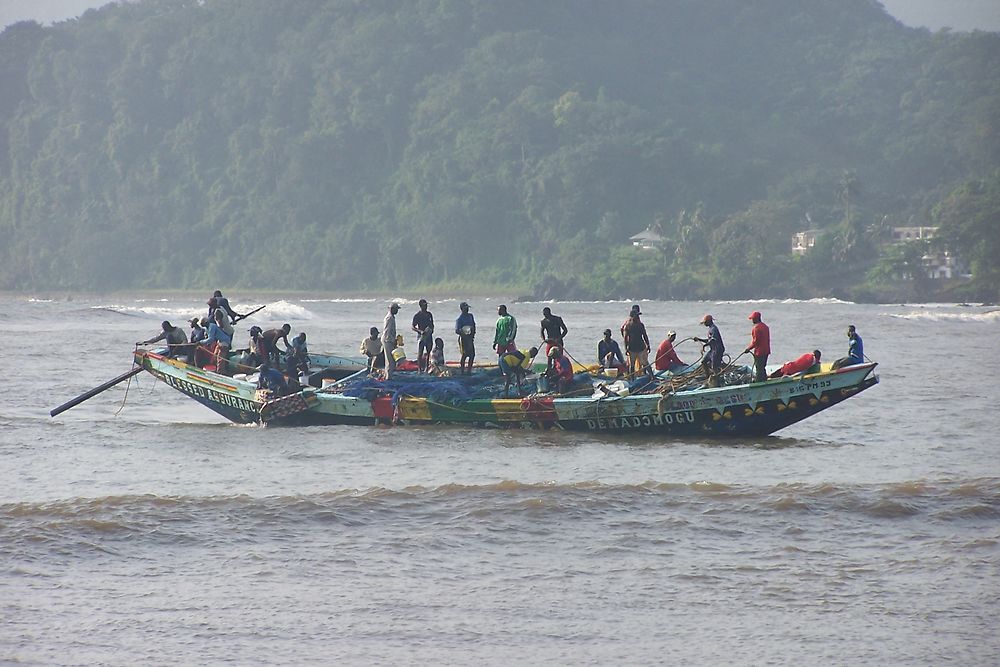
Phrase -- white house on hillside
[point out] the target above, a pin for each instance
(648, 239)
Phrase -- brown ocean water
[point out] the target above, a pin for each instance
(159, 534)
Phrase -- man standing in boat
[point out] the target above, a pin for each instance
(712, 361)
(637, 344)
(506, 332)
(389, 339)
(553, 333)
(423, 324)
(220, 341)
(633, 311)
(760, 346)
(855, 350)
(220, 302)
(465, 327)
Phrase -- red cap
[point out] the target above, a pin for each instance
(755, 315)
(707, 318)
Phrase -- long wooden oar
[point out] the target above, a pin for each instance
(243, 317)
(94, 392)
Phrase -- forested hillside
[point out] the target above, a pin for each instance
(352, 144)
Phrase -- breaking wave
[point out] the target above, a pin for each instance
(344, 300)
(823, 301)
(178, 312)
(937, 316)
(163, 309)
(284, 310)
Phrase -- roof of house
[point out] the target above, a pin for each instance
(647, 235)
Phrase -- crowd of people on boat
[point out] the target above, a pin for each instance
(385, 355)
(210, 343)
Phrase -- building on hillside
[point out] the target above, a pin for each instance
(648, 239)
(803, 242)
(903, 234)
(936, 263)
(943, 265)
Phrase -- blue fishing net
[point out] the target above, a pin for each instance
(482, 384)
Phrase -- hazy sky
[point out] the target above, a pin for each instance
(933, 14)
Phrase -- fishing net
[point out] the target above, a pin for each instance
(481, 384)
(453, 390)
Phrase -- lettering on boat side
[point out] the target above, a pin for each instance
(192, 389)
(667, 419)
(804, 387)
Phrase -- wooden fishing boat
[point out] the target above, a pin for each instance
(663, 406)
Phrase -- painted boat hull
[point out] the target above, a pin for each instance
(743, 410)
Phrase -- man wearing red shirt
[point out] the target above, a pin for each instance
(760, 346)
(800, 365)
(666, 356)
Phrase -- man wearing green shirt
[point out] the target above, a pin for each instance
(506, 332)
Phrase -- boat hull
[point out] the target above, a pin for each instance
(744, 410)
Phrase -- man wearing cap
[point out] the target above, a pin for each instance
(465, 327)
(423, 324)
(666, 356)
(609, 355)
(760, 346)
(712, 361)
(389, 339)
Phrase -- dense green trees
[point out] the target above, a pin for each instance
(346, 145)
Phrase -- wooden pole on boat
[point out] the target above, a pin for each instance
(94, 392)
(243, 317)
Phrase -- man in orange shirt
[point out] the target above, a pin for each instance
(760, 346)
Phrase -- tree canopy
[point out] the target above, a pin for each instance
(341, 144)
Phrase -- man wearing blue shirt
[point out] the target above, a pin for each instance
(609, 354)
(855, 350)
(712, 361)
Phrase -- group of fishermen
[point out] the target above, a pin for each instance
(714, 349)
(384, 351)
(210, 343)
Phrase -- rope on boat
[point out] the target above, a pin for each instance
(125, 397)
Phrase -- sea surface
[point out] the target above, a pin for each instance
(139, 528)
